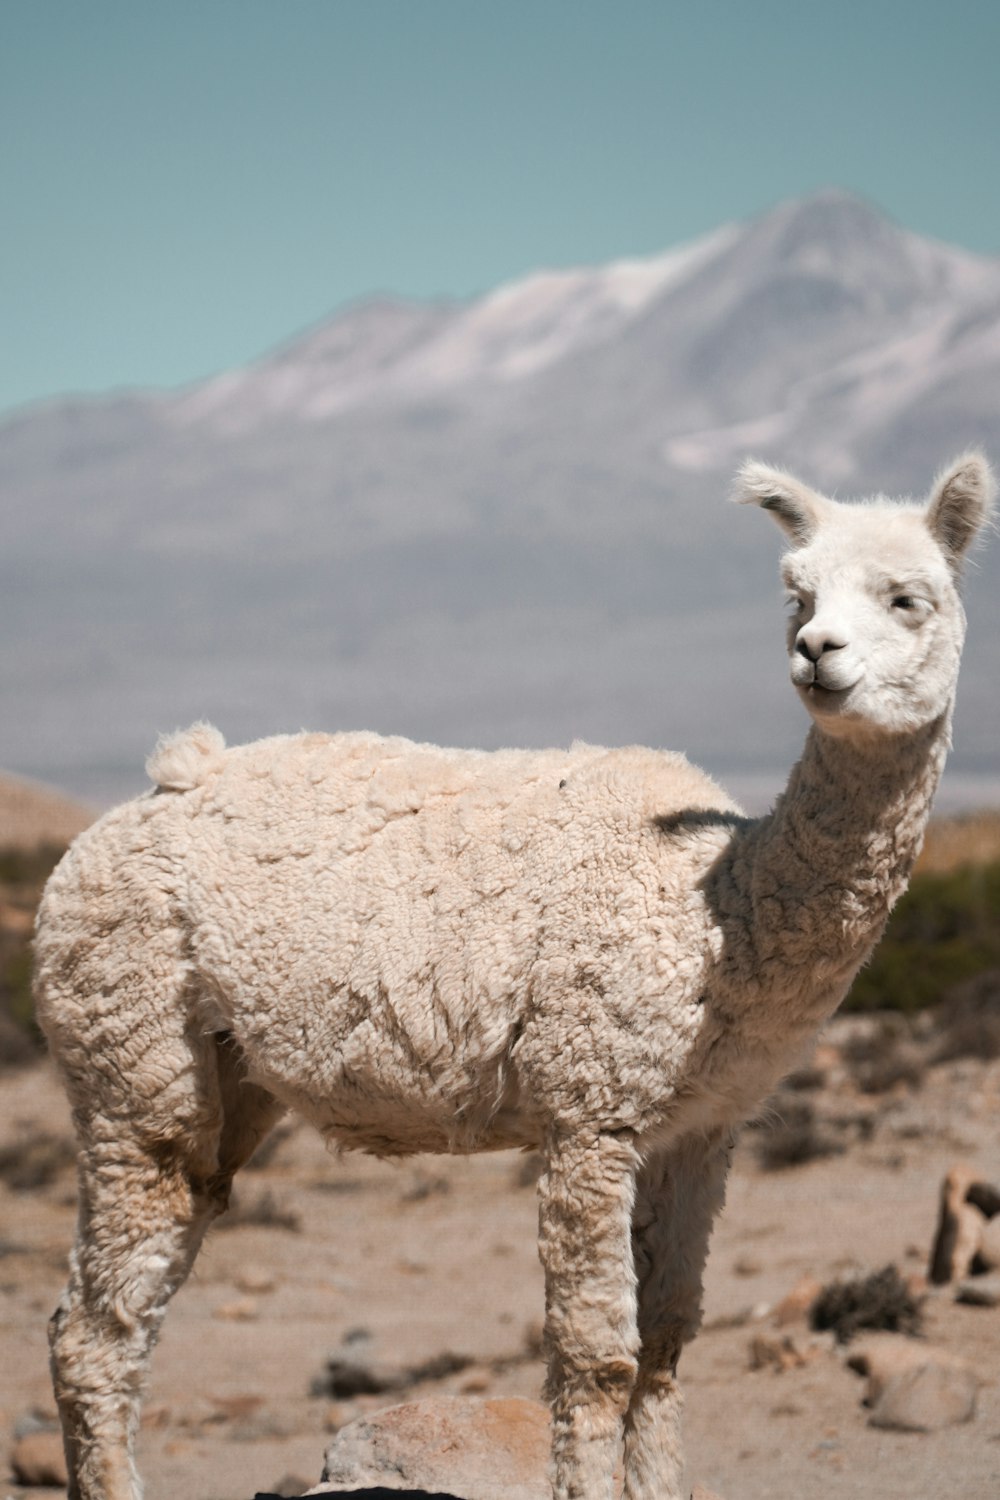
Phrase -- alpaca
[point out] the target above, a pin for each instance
(591, 952)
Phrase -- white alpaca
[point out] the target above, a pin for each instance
(591, 952)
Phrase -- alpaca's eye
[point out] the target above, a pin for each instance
(912, 608)
(793, 604)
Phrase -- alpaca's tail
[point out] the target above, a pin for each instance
(186, 758)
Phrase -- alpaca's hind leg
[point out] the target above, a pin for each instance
(144, 1208)
(586, 1194)
(678, 1195)
(142, 1216)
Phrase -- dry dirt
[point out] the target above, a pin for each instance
(438, 1255)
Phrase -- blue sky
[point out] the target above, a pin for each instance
(186, 184)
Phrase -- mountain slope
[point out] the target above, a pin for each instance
(498, 520)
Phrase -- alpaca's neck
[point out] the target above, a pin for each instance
(817, 878)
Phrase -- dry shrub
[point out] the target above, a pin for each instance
(880, 1301)
(805, 1079)
(22, 875)
(35, 1162)
(792, 1136)
(263, 1212)
(885, 1057)
(968, 1021)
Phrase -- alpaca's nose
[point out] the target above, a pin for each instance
(813, 642)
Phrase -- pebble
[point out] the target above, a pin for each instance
(244, 1310)
(37, 1458)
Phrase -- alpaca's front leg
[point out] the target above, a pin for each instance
(586, 1195)
(677, 1197)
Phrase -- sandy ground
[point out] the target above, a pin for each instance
(438, 1255)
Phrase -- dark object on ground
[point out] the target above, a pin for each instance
(793, 1137)
(986, 1198)
(349, 1373)
(35, 1161)
(264, 1211)
(885, 1057)
(377, 1494)
(969, 1020)
(880, 1301)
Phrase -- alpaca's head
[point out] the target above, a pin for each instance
(875, 621)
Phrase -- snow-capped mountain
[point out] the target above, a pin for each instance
(397, 353)
(495, 520)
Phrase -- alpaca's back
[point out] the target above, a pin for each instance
(371, 919)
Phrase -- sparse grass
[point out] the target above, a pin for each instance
(881, 1301)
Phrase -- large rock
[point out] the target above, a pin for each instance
(463, 1446)
(959, 1230)
(914, 1387)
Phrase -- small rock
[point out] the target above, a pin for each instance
(156, 1418)
(37, 1419)
(914, 1387)
(480, 1449)
(236, 1408)
(38, 1459)
(255, 1279)
(794, 1307)
(773, 1352)
(959, 1230)
(738, 1318)
(242, 1311)
(981, 1291)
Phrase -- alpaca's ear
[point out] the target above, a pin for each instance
(797, 509)
(960, 504)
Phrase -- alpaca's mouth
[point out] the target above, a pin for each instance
(824, 697)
